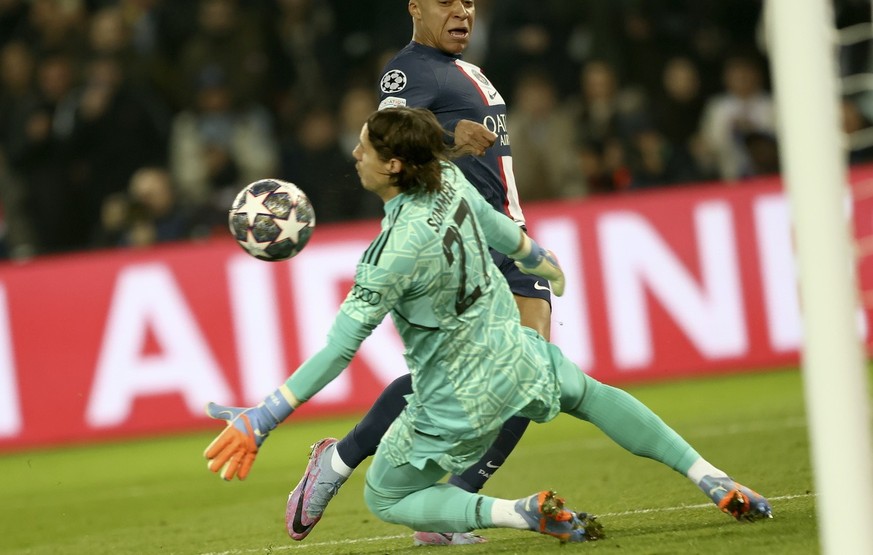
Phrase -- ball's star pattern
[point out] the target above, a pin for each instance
(253, 206)
(255, 247)
(290, 228)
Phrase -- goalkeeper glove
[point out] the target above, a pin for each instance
(233, 452)
(534, 260)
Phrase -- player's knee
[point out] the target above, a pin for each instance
(577, 388)
(380, 504)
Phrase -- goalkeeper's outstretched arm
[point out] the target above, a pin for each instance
(504, 235)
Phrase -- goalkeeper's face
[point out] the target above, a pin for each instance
(442, 24)
(375, 173)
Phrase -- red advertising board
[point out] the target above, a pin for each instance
(677, 282)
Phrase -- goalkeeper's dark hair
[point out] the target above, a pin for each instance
(416, 138)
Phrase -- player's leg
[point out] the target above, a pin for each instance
(635, 427)
(331, 462)
(335, 461)
(411, 497)
(533, 297)
(474, 478)
(362, 441)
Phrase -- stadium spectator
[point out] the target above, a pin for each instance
(542, 140)
(529, 34)
(368, 35)
(117, 127)
(356, 105)
(315, 161)
(312, 67)
(763, 150)
(217, 147)
(230, 38)
(854, 122)
(743, 108)
(603, 167)
(602, 110)
(16, 89)
(288, 56)
(154, 215)
(643, 49)
(676, 109)
(654, 162)
(54, 27)
(110, 35)
(38, 152)
(13, 14)
(111, 230)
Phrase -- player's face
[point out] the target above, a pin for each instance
(443, 24)
(375, 173)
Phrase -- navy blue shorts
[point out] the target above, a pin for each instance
(522, 284)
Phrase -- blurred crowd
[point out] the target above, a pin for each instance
(133, 122)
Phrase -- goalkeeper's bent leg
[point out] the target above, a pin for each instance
(411, 497)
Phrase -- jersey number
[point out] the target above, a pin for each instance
(465, 297)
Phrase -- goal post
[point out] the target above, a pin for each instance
(802, 52)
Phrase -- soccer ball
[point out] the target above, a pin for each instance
(271, 219)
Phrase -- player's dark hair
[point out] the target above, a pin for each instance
(415, 137)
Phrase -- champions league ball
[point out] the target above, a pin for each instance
(271, 219)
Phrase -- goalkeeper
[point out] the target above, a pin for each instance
(472, 364)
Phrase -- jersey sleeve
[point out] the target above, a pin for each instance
(412, 82)
(343, 341)
(501, 232)
(407, 81)
(380, 281)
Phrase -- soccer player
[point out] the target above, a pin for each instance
(429, 73)
(473, 364)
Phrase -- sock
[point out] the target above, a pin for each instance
(329, 471)
(701, 468)
(633, 425)
(474, 478)
(338, 465)
(364, 438)
(504, 515)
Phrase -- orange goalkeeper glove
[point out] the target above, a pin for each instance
(233, 452)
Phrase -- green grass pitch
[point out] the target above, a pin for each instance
(156, 496)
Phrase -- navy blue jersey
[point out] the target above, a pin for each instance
(423, 77)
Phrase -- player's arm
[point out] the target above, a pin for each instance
(472, 138)
(233, 452)
(504, 235)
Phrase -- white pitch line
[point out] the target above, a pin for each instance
(272, 548)
(334, 543)
(698, 506)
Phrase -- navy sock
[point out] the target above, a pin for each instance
(364, 438)
(474, 478)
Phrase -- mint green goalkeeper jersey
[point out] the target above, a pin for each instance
(473, 364)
